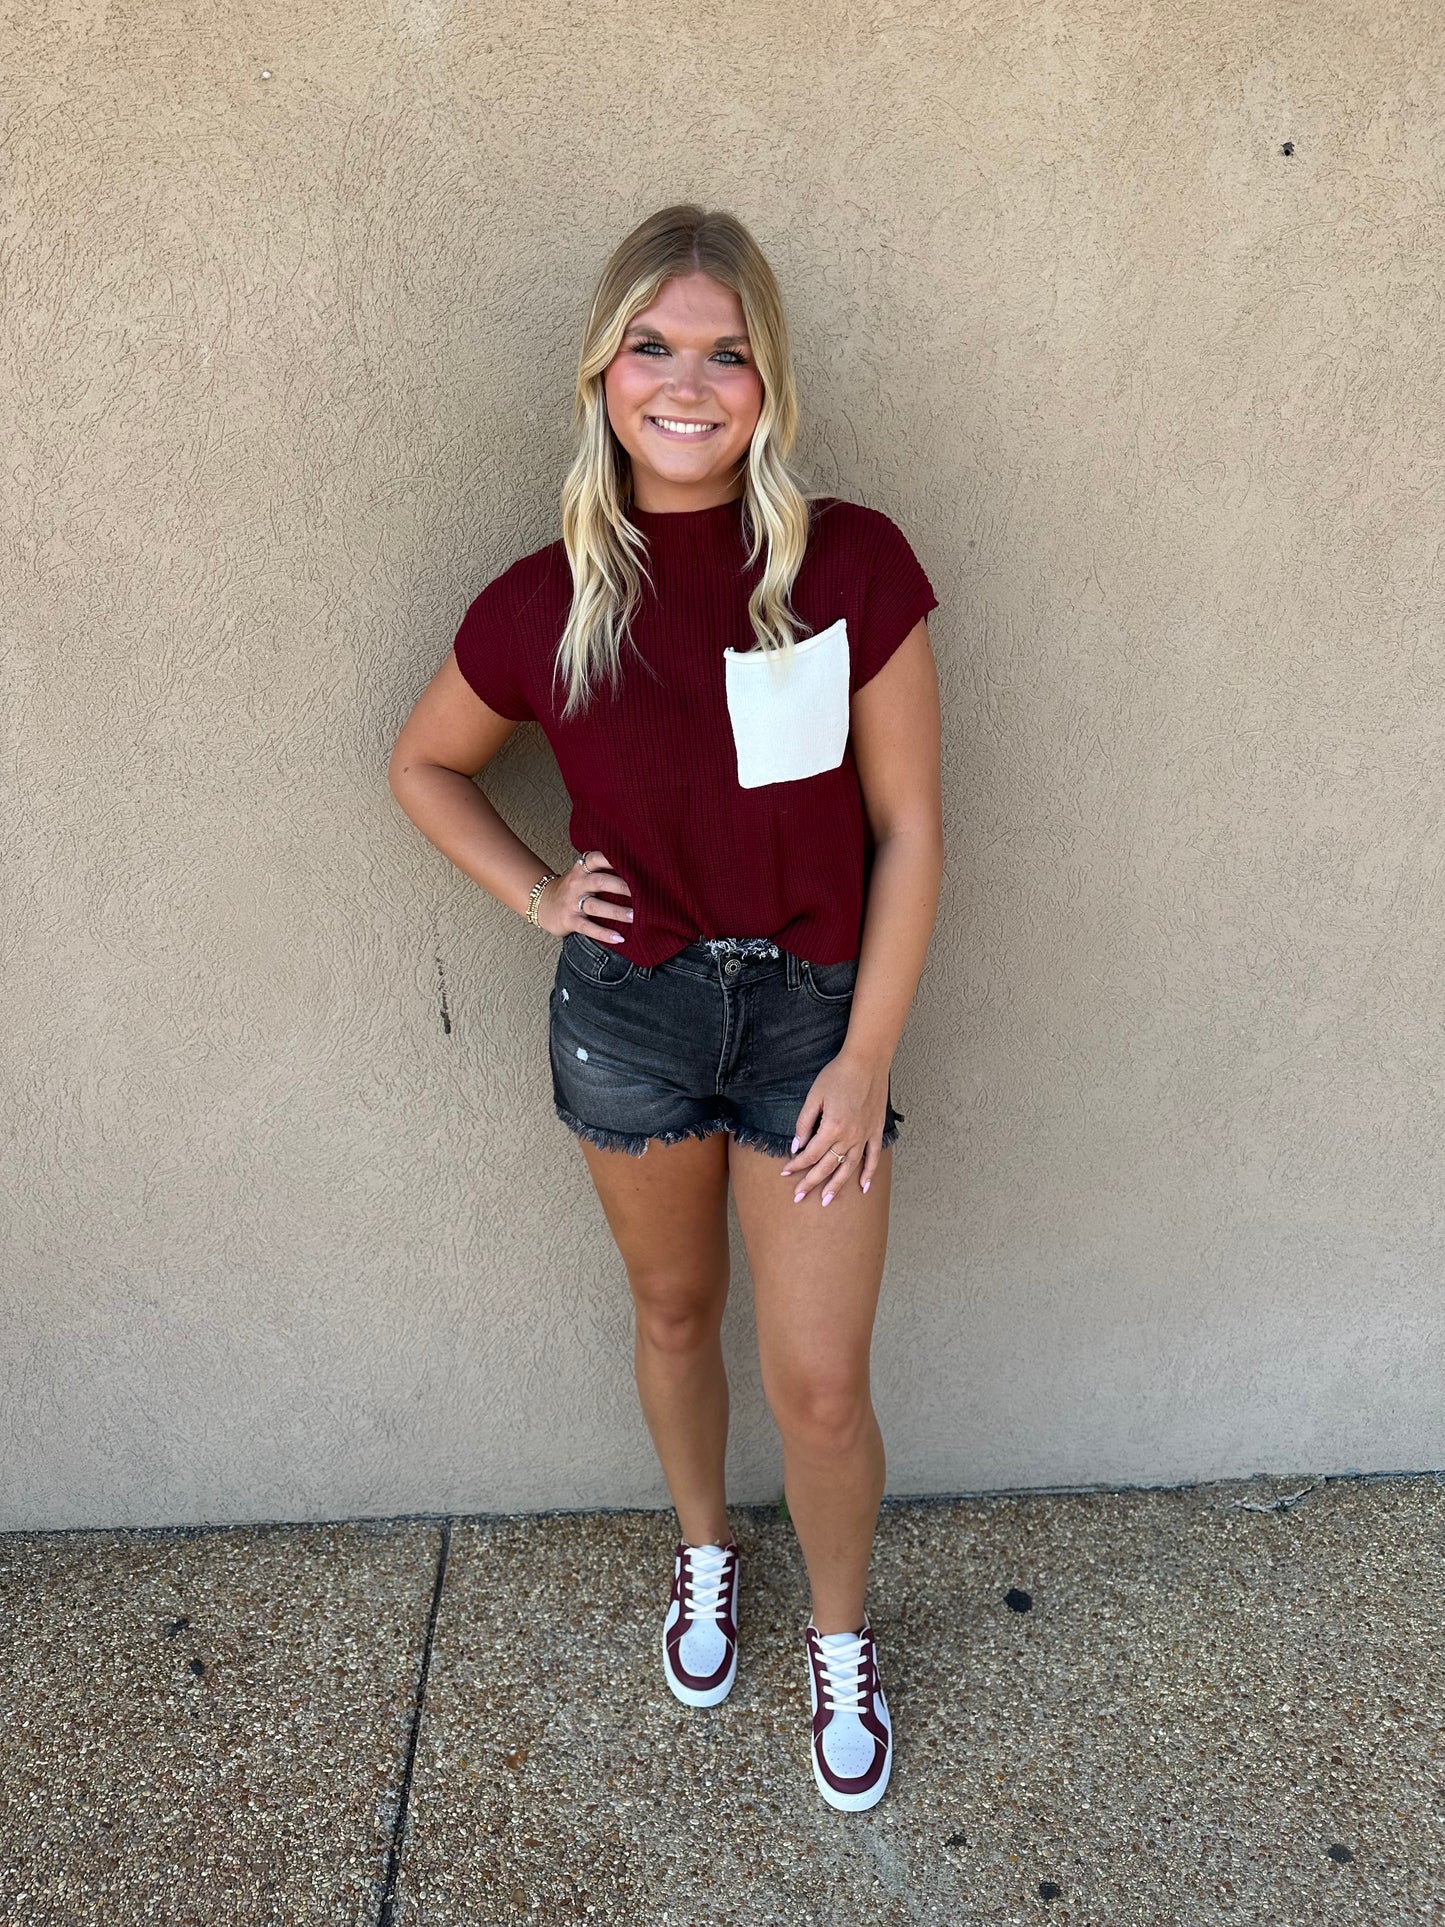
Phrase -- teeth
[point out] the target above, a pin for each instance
(684, 428)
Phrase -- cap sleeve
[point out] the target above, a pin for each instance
(897, 595)
(489, 655)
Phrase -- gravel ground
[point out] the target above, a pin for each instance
(206, 1726)
(1220, 1703)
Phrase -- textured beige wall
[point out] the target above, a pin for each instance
(292, 1230)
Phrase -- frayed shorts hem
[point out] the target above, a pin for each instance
(631, 1141)
(635, 1143)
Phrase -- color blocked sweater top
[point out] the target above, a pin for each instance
(719, 781)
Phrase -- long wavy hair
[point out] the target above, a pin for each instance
(607, 553)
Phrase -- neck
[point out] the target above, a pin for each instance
(656, 496)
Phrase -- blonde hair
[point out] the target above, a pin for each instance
(605, 550)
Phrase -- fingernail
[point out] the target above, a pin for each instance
(795, 1145)
(787, 1170)
(866, 1183)
(797, 1197)
(827, 1197)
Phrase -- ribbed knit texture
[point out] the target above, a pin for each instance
(651, 768)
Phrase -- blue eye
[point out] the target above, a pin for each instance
(733, 357)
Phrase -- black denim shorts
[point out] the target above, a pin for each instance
(726, 1035)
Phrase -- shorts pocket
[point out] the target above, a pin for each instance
(598, 963)
(831, 983)
(789, 716)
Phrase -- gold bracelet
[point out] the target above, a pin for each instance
(536, 897)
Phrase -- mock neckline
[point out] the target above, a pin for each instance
(686, 522)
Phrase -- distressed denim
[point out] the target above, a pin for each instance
(726, 1035)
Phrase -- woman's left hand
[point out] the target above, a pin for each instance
(846, 1111)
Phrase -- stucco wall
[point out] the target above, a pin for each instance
(291, 1229)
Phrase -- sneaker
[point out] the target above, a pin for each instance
(852, 1734)
(700, 1633)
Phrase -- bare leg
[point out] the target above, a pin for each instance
(667, 1211)
(816, 1277)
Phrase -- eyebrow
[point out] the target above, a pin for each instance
(656, 334)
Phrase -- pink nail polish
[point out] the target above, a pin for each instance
(827, 1197)
(797, 1197)
(866, 1183)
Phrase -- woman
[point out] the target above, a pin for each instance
(738, 686)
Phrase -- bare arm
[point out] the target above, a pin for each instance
(450, 735)
(896, 733)
(896, 743)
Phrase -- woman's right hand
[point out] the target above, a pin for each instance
(557, 907)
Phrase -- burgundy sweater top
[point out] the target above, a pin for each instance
(719, 783)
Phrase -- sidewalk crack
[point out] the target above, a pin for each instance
(398, 1831)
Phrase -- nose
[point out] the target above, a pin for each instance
(687, 377)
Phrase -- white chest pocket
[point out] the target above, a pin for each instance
(789, 718)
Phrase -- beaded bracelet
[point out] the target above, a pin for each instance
(536, 897)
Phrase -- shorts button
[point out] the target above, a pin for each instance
(730, 967)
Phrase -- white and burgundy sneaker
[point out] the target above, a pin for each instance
(852, 1734)
(700, 1633)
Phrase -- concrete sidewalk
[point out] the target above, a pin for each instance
(1223, 1703)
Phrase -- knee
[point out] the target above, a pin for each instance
(822, 1414)
(675, 1315)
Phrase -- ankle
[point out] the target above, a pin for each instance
(707, 1526)
(845, 1622)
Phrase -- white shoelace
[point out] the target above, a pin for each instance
(843, 1671)
(703, 1591)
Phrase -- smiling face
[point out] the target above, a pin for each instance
(684, 396)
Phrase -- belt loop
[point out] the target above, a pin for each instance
(644, 970)
(795, 970)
